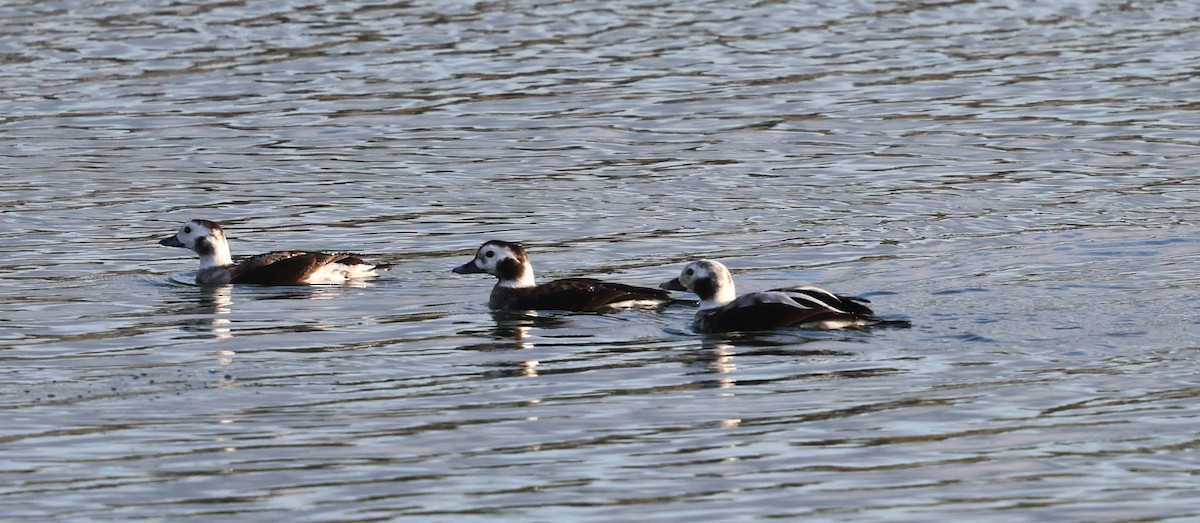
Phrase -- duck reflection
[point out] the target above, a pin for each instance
(210, 313)
(717, 357)
(512, 332)
(210, 307)
(512, 328)
(515, 325)
(512, 369)
(718, 354)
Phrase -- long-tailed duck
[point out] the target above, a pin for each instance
(721, 310)
(217, 267)
(517, 290)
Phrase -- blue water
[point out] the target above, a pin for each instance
(1015, 179)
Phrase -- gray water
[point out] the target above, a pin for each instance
(1018, 179)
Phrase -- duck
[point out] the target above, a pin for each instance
(517, 289)
(722, 310)
(207, 238)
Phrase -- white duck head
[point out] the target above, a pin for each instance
(205, 238)
(504, 260)
(708, 279)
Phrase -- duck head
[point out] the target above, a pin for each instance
(707, 279)
(205, 238)
(505, 260)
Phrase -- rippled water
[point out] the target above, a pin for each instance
(1017, 179)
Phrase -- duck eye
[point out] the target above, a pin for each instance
(690, 272)
(489, 254)
(187, 230)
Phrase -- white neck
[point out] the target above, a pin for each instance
(220, 255)
(525, 280)
(724, 295)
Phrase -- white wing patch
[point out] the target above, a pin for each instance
(794, 299)
(810, 288)
(634, 304)
(833, 324)
(340, 273)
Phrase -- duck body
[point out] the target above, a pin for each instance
(517, 289)
(721, 310)
(779, 308)
(573, 294)
(290, 268)
(217, 267)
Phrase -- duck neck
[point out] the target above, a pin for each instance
(720, 297)
(525, 279)
(216, 255)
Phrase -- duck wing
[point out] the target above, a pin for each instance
(849, 304)
(768, 310)
(573, 294)
(285, 267)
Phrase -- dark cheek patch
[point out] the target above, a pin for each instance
(203, 247)
(704, 288)
(508, 269)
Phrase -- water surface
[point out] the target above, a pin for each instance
(1015, 179)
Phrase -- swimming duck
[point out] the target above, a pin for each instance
(721, 310)
(217, 267)
(517, 290)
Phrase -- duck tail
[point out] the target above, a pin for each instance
(891, 324)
